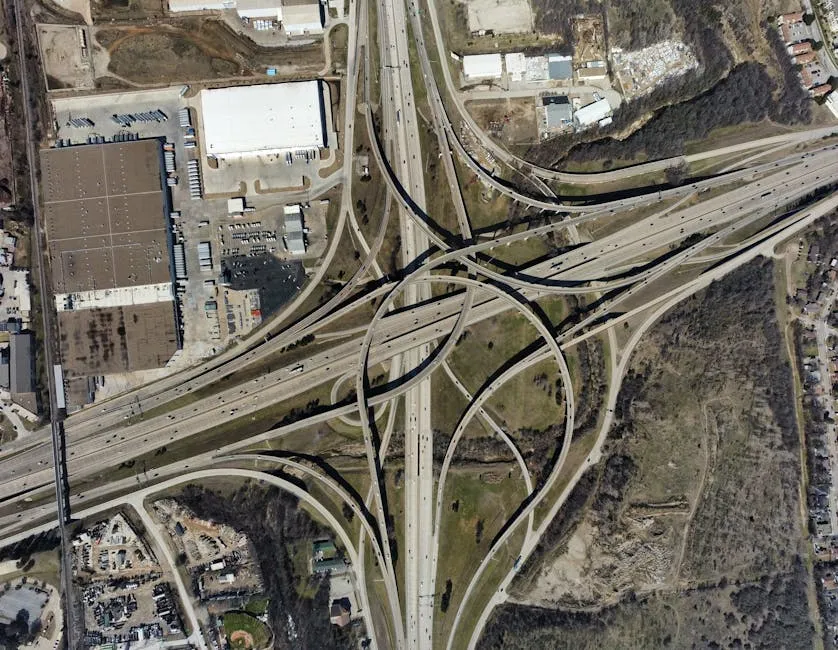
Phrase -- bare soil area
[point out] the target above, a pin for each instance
(510, 121)
(193, 50)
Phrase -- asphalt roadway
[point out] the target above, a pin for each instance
(629, 259)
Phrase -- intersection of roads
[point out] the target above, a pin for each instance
(705, 229)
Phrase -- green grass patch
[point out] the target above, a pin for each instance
(488, 345)
(474, 502)
(448, 403)
(257, 606)
(252, 633)
(528, 400)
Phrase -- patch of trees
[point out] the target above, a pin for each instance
(22, 550)
(552, 542)
(557, 17)
(770, 614)
(445, 599)
(744, 299)
(618, 471)
(779, 608)
(745, 95)
(592, 382)
(297, 622)
(19, 632)
(793, 105)
(631, 388)
(644, 23)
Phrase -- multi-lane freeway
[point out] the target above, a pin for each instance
(708, 227)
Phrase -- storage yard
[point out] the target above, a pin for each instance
(640, 71)
(125, 594)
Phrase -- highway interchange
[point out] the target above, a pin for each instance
(710, 227)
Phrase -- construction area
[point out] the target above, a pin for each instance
(219, 559)
(66, 56)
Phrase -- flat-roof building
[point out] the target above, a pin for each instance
(482, 66)
(591, 74)
(559, 111)
(104, 208)
(516, 65)
(263, 119)
(106, 213)
(300, 17)
(560, 67)
(592, 113)
(22, 371)
(294, 230)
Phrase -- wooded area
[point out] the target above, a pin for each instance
(296, 622)
(689, 107)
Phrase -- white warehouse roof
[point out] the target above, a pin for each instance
(516, 65)
(199, 5)
(482, 66)
(245, 8)
(591, 113)
(302, 17)
(267, 118)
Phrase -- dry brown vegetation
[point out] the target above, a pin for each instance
(194, 49)
(698, 493)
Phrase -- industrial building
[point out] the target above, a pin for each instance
(820, 91)
(482, 66)
(301, 17)
(297, 17)
(560, 68)
(559, 112)
(105, 210)
(294, 230)
(591, 73)
(263, 119)
(516, 65)
(22, 371)
(592, 113)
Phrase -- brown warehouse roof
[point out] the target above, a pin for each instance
(104, 215)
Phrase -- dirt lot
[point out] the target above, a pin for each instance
(66, 63)
(106, 10)
(588, 39)
(700, 486)
(196, 49)
(510, 121)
